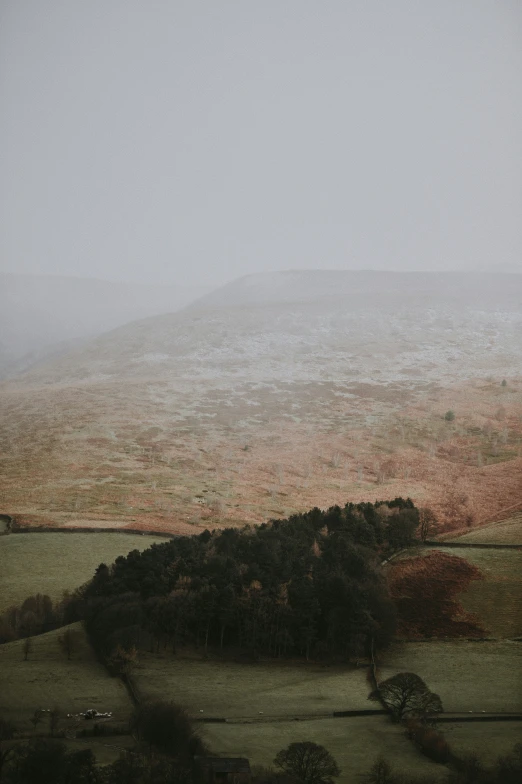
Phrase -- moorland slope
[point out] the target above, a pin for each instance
(276, 393)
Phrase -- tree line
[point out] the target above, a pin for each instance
(36, 615)
(169, 750)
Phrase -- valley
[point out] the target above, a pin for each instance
(261, 400)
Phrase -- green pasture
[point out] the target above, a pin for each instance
(355, 743)
(505, 532)
(468, 676)
(244, 690)
(488, 740)
(497, 598)
(51, 563)
(47, 680)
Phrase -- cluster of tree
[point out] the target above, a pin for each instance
(308, 585)
(167, 752)
(36, 615)
(67, 642)
(41, 761)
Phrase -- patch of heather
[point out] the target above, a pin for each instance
(425, 590)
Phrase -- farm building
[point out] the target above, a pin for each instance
(226, 770)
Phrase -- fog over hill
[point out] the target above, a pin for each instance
(309, 326)
(364, 288)
(42, 316)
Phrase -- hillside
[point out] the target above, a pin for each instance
(45, 316)
(277, 393)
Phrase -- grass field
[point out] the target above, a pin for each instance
(47, 680)
(106, 750)
(497, 599)
(506, 532)
(468, 676)
(487, 740)
(237, 690)
(51, 563)
(355, 744)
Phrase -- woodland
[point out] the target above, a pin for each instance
(310, 585)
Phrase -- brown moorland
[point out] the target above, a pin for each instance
(425, 589)
(277, 395)
(91, 457)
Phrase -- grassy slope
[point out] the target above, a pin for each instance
(505, 532)
(47, 680)
(51, 563)
(487, 740)
(479, 676)
(497, 599)
(280, 689)
(230, 689)
(355, 744)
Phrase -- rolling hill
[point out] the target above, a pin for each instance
(43, 316)
(275, 393)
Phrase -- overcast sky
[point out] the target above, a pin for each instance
(194, 141)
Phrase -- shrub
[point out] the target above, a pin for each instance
(449, 416)
(429, 741)
(167, 727)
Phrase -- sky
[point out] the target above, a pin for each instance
(195, 141)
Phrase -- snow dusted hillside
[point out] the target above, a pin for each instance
(275, 394)
(317, 326)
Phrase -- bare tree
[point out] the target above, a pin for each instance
(27, 647)
(308, 763)
(36, 718)
(381, 773)
(68, 642)
(427, 523)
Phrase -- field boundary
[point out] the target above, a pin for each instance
(472, 545)
(47, 529)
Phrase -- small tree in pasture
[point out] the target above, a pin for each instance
(381, 773)
(54, 720)
(27, 647)
(36, 718)
(68, 642)
(28, 623)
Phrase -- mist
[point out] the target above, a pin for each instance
(190, 143)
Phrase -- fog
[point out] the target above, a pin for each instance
(190, 143)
